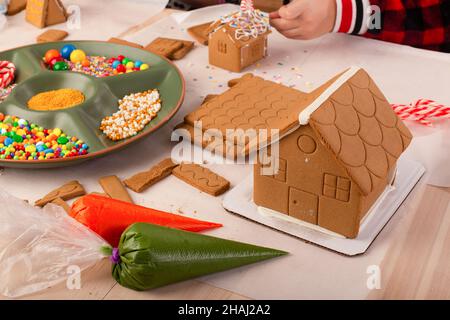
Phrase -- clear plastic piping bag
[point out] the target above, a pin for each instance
(38, 246)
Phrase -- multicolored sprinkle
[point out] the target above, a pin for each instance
(98, 67)
(22, 140)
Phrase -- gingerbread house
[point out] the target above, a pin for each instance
(338, 146)
(43, 13)
(234, 46)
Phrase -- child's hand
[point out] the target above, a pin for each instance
(305, 19)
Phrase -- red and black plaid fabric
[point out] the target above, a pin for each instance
(419, 23)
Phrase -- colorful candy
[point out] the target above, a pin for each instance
(67, 50)
(51, 54)
(76, 60)
(77, 56)
(21, 140)
(121, 68)
(60, 66)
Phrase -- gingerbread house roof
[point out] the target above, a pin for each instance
(354, 119)
(220, 27)
(349, 114)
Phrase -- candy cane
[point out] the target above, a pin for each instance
(422, 111)
(7, 70)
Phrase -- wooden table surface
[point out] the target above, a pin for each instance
(416, 266)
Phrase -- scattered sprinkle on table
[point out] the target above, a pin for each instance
(22, 140)
(56, 100)
(135, 112)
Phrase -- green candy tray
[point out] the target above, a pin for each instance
(101, 96)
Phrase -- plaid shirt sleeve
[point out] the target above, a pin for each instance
(419, 23)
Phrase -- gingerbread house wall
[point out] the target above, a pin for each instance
(310, 185)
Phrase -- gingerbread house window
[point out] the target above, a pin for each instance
(281, 174)
(336, 187)
(222, 47)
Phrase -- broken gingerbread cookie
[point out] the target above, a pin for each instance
(52, 35)
(69, 190)
(143, 180)
(173, 49)
(201, 178)
(114, 188)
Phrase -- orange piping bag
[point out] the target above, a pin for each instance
(110, 217)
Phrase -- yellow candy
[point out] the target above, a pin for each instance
(30, 149)
(41, 158)
(144, 66)
(129, 71)
(130, 65)
(56, 132)
(77, 56)
(40, 134)
(20, 132)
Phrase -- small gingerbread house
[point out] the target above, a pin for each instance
(338, 145)
(234, 47)
(43, 13)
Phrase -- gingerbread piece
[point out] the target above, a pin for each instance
(70, 190)
(164, 46)
(60, 202)
(183, 51)
(114, 188)
(141, 181)
(201, 178)
(43, 13)
(125, 43)
(200, 32)
(16, 6)
(101, 194)
(262, 104)
(52, 35)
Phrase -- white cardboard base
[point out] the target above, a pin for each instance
(239, 200)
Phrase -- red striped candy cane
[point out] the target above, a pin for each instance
(423, 111)
(7, 70)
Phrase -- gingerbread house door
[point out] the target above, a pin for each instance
(303, 205)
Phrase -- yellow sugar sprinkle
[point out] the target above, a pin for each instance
(56, 100)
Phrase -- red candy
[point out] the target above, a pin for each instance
(121, 68)
(120, 57)
(54, 60)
